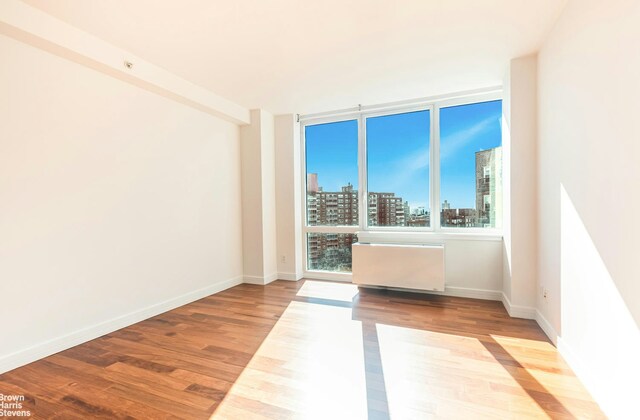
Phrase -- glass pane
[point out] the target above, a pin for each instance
(330, 251)
(471, 165)
(398, 169)
(332, 173)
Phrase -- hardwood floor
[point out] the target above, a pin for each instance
(311, 350)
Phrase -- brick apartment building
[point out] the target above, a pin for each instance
(340, 208)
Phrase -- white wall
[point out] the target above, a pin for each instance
(519, 175)
(114, 202)
(589, 195)
(269, 195)
(259, 198)
(506, 184)
(474, 267)
(252, 235)
(288, 202)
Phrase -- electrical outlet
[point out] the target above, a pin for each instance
(283, 259)
(545, 293)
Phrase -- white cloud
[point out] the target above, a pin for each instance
(405, 170)
(451, 144)
(415, 162)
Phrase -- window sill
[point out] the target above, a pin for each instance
(368, 236)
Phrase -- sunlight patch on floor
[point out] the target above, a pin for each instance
(542, 368)
(450, 376)
(311, 363)
(343, 292)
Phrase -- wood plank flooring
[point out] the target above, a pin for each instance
(311, 349)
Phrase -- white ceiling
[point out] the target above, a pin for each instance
(319, 55)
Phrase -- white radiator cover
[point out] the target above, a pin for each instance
(419, 267)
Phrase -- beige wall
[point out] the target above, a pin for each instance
(259, 198)
(288, 200)
(519, 175)
(269, 195)
(113, 201)
(252, 239)
(589, 195)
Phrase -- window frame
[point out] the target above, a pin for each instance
(363, 170)
(398, 234)
(306, 228)
(469, 100)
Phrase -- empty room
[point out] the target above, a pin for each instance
(338, 209)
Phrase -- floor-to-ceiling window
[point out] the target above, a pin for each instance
(332, 219)
(434, 167)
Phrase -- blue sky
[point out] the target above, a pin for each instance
(398, 152)
(398, 155)
(465, 130)
(332, 153)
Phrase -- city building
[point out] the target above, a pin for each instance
(418, 220)
(331, 208)
(388, 210)
(327, 208)
(488, 190)
(489, 187)
(459, 217)
(340, 208)
(312, 183)
(330, 251)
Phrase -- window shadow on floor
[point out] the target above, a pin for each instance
(365, 309)
(370, 307)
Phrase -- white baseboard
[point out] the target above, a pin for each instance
(547, 328)
(472, 293)
(47, 348)
(516, 311)
(253, 280)
(289, 276)
(260, 280)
